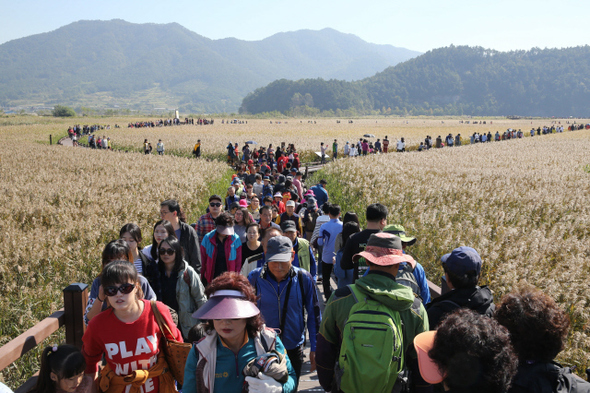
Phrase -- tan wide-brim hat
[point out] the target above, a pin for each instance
(384, 249)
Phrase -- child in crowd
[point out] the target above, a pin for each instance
(62, 370)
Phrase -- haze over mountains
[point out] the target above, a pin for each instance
(146, 66)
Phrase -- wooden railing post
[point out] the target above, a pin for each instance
(75, 299)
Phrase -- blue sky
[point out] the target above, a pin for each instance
(418, 25)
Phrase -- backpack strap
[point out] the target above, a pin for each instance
(355, 292)
(285, 306)
(417, 303)
(300, 279)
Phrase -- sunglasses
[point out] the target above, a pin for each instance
(167, 251)
(215, 204)
(124, 289)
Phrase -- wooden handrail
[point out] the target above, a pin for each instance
(435, 290)
(22, 344)
(71, 316)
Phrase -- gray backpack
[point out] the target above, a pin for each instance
(405, 276)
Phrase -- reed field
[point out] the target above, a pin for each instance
(59, 207)
(523, 204)
(305, 134)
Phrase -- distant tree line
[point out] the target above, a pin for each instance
(454, 80)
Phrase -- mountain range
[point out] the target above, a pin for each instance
(455, 80)
(115, 63)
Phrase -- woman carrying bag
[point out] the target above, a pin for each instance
(128, 336)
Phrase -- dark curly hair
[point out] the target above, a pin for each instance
(237, 282)
(225, 219)
(473, 352)
(537, 326)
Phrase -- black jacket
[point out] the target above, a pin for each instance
(189, 242)
(478, 299)
(549, 377)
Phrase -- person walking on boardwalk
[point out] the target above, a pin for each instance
(285, 293)
(358, 365)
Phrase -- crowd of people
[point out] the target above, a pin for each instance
(76, 132)
(262, 160)
(240, 284)
(270, 157)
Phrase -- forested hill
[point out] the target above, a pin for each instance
(450, 81)
(143, 65)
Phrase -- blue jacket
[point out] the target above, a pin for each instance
(420, 276)
(272, 300)
(321, 195)
(231, 199)
(327, 238)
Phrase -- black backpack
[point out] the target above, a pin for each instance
(549, 377)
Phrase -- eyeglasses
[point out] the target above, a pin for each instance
(215, 204)
(124, 289)
(167, 251)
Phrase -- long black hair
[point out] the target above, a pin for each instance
(168, 226)
(174, 244)
(134, 231)
(65, 361)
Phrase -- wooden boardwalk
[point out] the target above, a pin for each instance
(309, 380)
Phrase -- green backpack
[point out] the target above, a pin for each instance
(371, 354)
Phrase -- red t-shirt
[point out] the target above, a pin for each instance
(127, 346)
(281, 163)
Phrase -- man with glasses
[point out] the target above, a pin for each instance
(254, 208)
(207, 221)
(170, 210)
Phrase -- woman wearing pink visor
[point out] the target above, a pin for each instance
(235, 335)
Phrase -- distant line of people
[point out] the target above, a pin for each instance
(170, 122)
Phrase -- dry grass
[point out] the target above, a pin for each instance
(60, 206)
(523, 204)
(306, 135)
